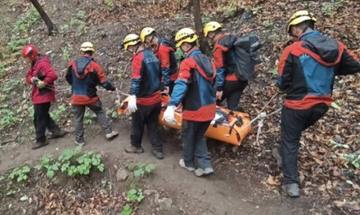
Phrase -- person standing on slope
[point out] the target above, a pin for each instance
(194, 89)
(41, 76)
(228, 86)
(145, 97)
(306, 74)
(165, 52)
(84, 74)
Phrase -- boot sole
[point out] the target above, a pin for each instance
(112, 137)
(38, 147)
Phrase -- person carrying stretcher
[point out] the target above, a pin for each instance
(165, 52)
(145, 97)
(194, 89)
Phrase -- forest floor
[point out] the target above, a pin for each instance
(246, 179)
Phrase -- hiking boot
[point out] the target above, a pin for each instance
(203, 172)
(112, 135)
(276, 154)
(58, 134)
(39, 144)
(182, 164)
(80, 142)
(134, 150)
(158, 154)
(292, 190)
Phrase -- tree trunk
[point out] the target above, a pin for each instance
(198, 25)
(50, 25)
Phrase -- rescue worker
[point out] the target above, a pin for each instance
(42, 77)
(228, 86)
(84, 74)
(194, 89)
(145, 99)
(306, 74)
(165, 52)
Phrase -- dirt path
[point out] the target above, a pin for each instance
(226, 192)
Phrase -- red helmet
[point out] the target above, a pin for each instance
(29, 51)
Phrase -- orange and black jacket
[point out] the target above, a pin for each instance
(194, 87)
(84, 74)
(308, 67)
(224, 60)
(146, 78)
(166, 55)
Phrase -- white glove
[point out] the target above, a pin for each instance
(132, 104)
(169, 115)
(34, 79)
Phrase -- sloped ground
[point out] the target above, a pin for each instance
(329, 161)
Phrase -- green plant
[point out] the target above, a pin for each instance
(16, 44)
(58, 113)
(327, 8)
(20, 174)
(205, 19)
(134, 195)
(179, 55)
(81, 14)
(76, 22)
(112, 113)
(267, 24)
(353, 158)
(109, 4)
(339, 3)
(50, 165)
(63, 28)
(8, 118)
(2, 70)
(256, 10)
(23, 24)
(143, 169)
(127, 210)
(273, 72)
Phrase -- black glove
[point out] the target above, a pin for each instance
(108, 86)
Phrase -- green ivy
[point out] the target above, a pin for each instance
(20, 174)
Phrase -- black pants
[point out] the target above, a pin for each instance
(149, 116)
(194, 143)
(42, 120)
(232, 93)
(293, 122)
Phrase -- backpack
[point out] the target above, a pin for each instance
(246, 56)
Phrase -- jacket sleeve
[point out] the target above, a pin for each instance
(220, 69)
(28, 77)
(68, 75)
(285, 70)
(349, 63)
(136, 75)
(181, 84)
(49, 73)
(102, 79)
(164, 57)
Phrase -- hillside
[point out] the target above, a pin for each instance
(329, 158)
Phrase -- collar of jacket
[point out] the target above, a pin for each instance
(309, 34)
(220, 37)
(193, 51)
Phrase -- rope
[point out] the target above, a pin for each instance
(262, 117)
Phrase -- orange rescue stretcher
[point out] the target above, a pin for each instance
(228, 126)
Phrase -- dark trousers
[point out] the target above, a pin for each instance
(146, 115)
(42, 120)
(232, 92)
(194, 143)
(79, 112)
(293, 122)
